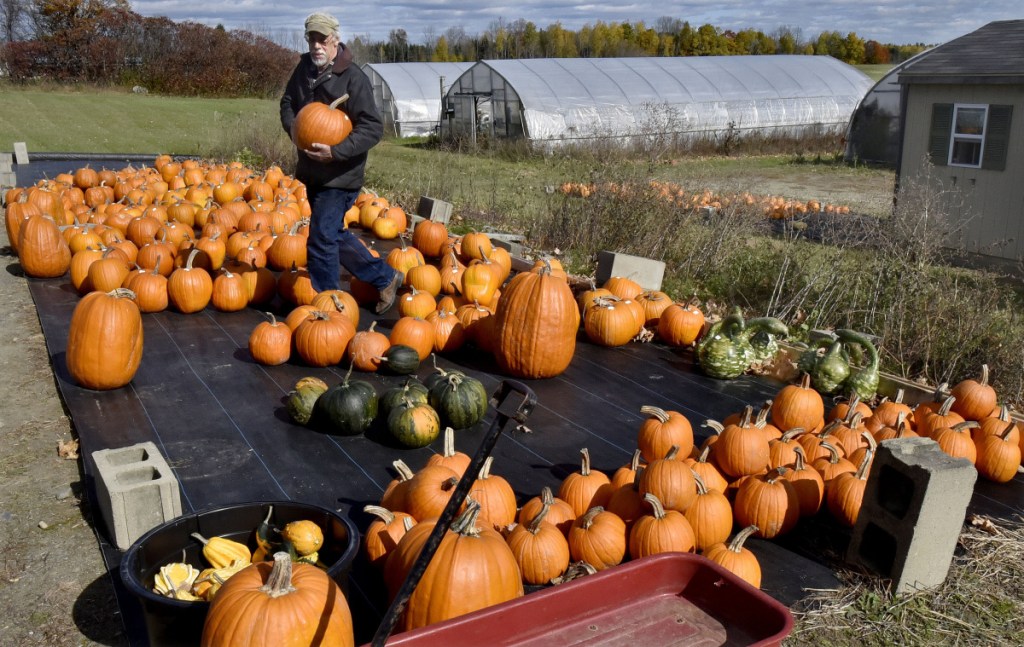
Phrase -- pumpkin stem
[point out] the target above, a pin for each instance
(337, 102)
(547, 496)
(659, 510)
(635, 463)
(485, 471)
(762, 415)
(585, 463)
(534, 526)
(714, 426)
(702, 488)
(588, 519)
(736, 545)
(792, 433)
(672, 452)
(865, 463)
(947, 404)
(962, 427)
(798, 464)
(745, 418)
(381, 513)
(984, 375)
(200, 538)
(404, 471)
(465, 523)
(704, 453)
(279, 582)
(1010, 427)
(833, 453)
(655, 412)
(449, 442)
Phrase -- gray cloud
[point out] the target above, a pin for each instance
(889, 21)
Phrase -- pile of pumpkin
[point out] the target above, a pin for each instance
(755, 476)
(413, 411)
(775, 207)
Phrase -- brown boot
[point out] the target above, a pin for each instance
(388, 294)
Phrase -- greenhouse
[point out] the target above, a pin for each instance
(874, 132)
(558, 101)
(408, 95)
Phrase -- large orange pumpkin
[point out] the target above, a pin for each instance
(42, 251)
(321, 123)
(535, 325)
(105, 340)
(279, 603)
(473, 568)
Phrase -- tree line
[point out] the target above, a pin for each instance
(103, 42)
(669, 37)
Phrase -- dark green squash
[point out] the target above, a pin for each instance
(302, 401)
(411, 389)
(347, 408)
(414, 425)
(401, 359)
(460, 400)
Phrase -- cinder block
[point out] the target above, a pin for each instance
(511, 242)
(914, 507)
(648, 273)
(8, 179)
(136, 490)
(6, 166)
(20, 153)
(436, 210)
(413, 221)
(6, 158)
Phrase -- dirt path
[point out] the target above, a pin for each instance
(54, 587)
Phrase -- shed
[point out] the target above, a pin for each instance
(408, 95)
(962, 129)
(555, 101)
(873, 135)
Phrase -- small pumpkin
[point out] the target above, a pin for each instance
(270, 342)
(737, 559)
(660, 532)
(401, 359)
(384, 533)
(414, 424)
(321, 123)
(347, 408)
(586, 488)
(598, 537)
(540, 548)
(301, 402)
(304, 535)
(459, 399)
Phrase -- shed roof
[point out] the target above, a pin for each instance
(992, 54)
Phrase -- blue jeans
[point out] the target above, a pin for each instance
(330, 244)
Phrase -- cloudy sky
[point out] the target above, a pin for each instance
(887, 21)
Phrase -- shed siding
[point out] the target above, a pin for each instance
(993, 201)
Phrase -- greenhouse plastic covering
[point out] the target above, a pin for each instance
(408, 95)
(562, 100)
(874, 132)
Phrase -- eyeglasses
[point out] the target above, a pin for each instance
(318, 39)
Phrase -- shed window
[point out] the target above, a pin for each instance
(968, 137)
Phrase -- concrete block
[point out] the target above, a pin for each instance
(6, 158)
(136, 491)
(413, 221)
(514, 243)
(8, 179)
(20, 153)
(648, 273)
(6, 166)
(914, 507)
(436, 210)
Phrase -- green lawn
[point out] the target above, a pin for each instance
(56, 119)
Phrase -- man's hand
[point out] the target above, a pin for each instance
(319, 153)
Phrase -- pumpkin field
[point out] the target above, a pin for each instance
(663, 424)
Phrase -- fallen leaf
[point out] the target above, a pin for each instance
(983, 523)
(68, 449)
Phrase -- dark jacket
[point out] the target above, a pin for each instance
(304, 86)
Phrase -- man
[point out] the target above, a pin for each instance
(333, 175)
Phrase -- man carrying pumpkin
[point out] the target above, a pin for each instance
(333, 175)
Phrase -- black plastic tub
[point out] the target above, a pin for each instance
(178, 622)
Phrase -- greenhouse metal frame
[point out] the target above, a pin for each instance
(408, 95)
(557, 101)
